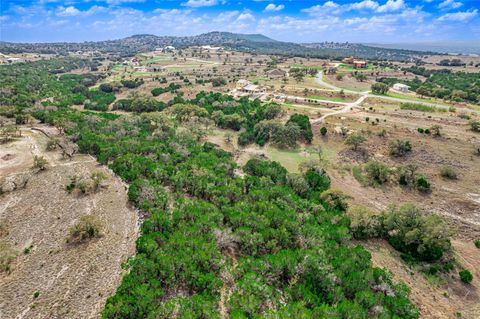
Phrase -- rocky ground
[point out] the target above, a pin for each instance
(50, 278)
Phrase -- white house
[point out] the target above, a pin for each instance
(242, 83)
(400, 87)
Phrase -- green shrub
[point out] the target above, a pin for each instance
(475, 125)
(7, 255)
(303, 122)
(448, 172)
(317, 181)
(409, 230)
(88, 227)
(323, 131)
(364, 222)
(407, 175)
(377, 172)
(335, 199)
(105, 87)
(422, 184)
(477, 243)
(418, 107)
(379, 88)
(466, 276)
(40, 163)
(355, 140)
(399, 147)
(263, 168)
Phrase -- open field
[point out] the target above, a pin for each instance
(75, 280)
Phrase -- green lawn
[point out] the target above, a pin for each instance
(411, 97)
(328, 98)
(157, 59)
(302, 66)
(290, 159)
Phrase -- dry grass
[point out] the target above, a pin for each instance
(88, 227)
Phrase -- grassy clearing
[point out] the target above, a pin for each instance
(291, 159)
(329, 98)
(302, 66)
(156, 59)
(421, 107)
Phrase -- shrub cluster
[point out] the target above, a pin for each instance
(290, 242)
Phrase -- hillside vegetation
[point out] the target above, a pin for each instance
(255, 43)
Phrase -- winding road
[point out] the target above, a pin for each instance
(348, 106)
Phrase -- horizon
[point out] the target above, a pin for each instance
(356, 21)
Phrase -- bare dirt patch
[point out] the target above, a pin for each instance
(50, 278)
(437, 301)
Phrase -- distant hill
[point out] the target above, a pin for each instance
(456, 47)
(255, 43)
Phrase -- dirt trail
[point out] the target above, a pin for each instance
(73, 281)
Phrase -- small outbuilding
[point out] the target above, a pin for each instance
(401, 87)
(276, 74)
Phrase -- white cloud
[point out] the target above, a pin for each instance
(70, 11)
(246, 16)
(392, 5)
(459, 16)
(273, 7)
(200, 3)
(116, 2)
(225, 16)
(356, 20)
(327, 7)
(364, 5)
(450, 4)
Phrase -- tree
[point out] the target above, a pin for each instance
(407, 175)
(335, 199)
(303, 122)
(466, 276)
(105, 87)
(409, 230)
(183, 112)
(298, 184)
(399, 148)
(379, 88)
(298, 76)
(323, 131)
(360, 77)
(355, 140)
(377, 172)
(364, 222)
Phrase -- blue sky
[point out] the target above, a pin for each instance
(382, 21)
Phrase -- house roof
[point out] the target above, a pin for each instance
(400, 85)
(276, 71)
(251, 87)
